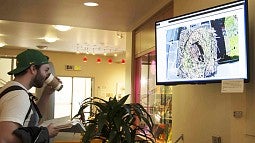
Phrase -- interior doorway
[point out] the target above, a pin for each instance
(157, 99)
(68, 100)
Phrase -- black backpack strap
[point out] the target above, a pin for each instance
(29, 110)
(11, 88)
(31, 98)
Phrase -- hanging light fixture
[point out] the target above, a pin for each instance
(93, 53)
(123, 61)
(50, 39)
(110, 60)
(85, 59)
(98, 60)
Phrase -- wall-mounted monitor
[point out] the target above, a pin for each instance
(203, 47)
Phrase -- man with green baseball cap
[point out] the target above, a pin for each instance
(18, 112)
(28, 58)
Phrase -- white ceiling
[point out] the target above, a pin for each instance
(23, 23)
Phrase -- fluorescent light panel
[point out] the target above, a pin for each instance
(62, 27)
(91, 4)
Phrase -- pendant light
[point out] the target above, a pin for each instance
(85, 59)
(98, 60)
(110, 60)
(123, 61)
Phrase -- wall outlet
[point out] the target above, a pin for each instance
(216, 139)
(238, 114)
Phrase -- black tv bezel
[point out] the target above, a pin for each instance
(205, 11)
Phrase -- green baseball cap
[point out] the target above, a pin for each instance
(27, 58)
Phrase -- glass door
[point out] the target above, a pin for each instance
(68, 100)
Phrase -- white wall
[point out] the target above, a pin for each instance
(201, 111)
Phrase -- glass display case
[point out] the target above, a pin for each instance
(157, 99)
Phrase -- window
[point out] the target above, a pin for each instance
(6, 65)
(68, 100)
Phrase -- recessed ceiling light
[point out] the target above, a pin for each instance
(62, 27)
(91, 4)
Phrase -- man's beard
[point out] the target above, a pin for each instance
(38, 80)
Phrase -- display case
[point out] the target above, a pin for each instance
(157, 99)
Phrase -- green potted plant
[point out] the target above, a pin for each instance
(113, 121)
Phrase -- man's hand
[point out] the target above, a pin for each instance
(53, 131)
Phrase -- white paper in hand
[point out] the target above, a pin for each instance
(65, 124)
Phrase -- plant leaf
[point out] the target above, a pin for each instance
(123, 100)
(127, 133)
(112, 136)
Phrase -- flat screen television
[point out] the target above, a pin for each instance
(206, 46)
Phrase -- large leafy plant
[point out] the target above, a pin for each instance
(116, 122)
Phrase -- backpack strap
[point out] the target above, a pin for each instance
(11, 88)
(29, 110)
(31, 98)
